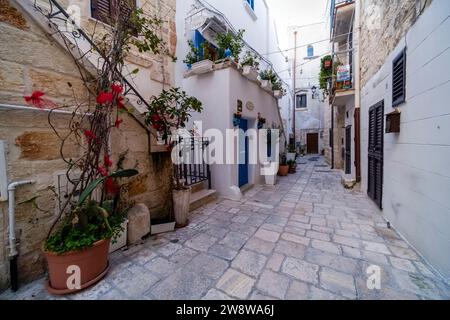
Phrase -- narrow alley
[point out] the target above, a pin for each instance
(305, 238)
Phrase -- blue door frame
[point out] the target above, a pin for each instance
(243, 168)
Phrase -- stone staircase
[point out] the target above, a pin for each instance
(201, 195)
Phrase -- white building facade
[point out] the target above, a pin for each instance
(224, 90)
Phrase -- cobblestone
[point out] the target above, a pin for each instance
(305, 238)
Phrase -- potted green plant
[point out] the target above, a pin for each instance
(292, 166)
(199, 60)
(292, 153)
(261, 121)
(169, 113)
(192, 56)
(278, 90)
(250, 65)
(230, 44)
(284, 167)
(267, 77)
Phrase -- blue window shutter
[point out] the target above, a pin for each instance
(198, 41)
(310, 51)
(251, 3)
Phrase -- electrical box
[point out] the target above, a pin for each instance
(3, 174)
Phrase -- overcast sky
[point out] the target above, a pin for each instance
(296, 13)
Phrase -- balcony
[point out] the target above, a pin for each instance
(342, 16)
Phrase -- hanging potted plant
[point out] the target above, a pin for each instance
(168, 114)
(250, 66)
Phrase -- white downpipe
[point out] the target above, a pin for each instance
(12, 215)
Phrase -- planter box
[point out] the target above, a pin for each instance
(162, 228)
(201, 67)
(121, 241)
(266, 85)
(290, 156)
(277, 94)
(250, 73)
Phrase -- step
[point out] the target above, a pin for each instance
(199, 186)
(201, 198)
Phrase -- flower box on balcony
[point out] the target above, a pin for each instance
(278, 94)
(250, 73)
(266, 85)
(201, 67)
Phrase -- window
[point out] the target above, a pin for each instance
(301, 101)
(102, 10)
(399, 79)
(310, 51)
(252, 4)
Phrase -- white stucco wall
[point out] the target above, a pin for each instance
(219, 91)
(260, 33)
(416, 161)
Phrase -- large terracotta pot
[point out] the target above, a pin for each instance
(181, 202)
(92, 262)
(283, 171)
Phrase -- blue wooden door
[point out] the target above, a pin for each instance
(243, 154)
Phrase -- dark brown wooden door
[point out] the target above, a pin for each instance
(375, 164)
(348, 150)
(312, 141)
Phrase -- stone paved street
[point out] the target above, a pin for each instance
(305, 238)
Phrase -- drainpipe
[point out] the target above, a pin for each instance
(12, 231)
(357, 70)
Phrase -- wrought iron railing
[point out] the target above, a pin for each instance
(194, 168)
(58, 17)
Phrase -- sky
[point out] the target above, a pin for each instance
(296, 12)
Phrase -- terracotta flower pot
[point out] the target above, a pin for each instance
(181, 201)
(92, 263)
(283, 171)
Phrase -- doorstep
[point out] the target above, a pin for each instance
(201, 197)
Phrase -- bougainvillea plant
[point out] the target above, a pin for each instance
(94, 210)
(167, 114)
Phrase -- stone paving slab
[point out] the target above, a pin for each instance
(305, 238)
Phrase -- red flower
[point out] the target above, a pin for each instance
(118, 123)
(105, 97)
(102, 170)
(36, 99)
(117, 88)
(90, 135)
(156, 118)
(111, 186)
(107, 161)
(120, 104)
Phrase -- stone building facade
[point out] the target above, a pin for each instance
(413, 175)
(31, 60)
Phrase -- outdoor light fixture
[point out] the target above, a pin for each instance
(313, 89)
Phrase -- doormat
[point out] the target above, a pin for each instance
(313, 159)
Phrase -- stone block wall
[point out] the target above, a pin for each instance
(30, 60)
(383, 24)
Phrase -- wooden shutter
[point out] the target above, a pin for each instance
(375, 159)
(399, 79)
(101, 9)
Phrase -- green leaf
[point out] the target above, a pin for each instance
(94, 184)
